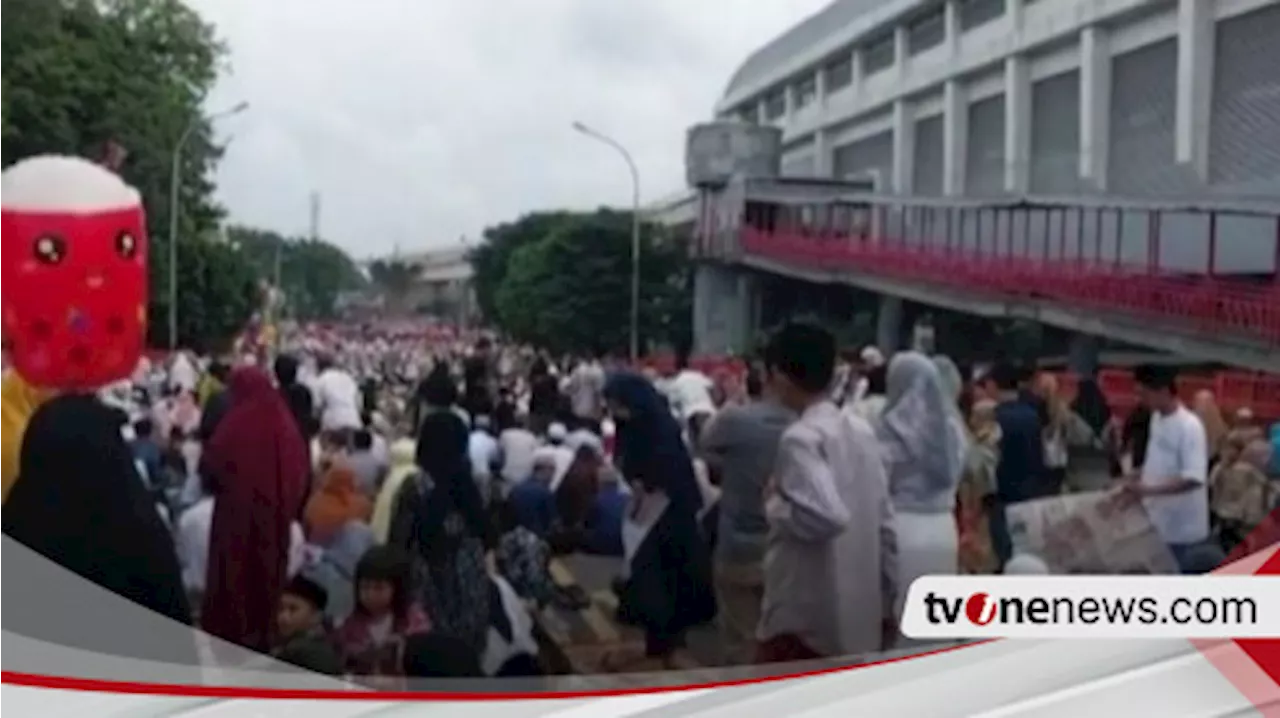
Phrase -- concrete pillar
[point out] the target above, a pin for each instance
(822, 154)
(1196, 39)
(820, 87)
(901, 50)
(904, 141)
(716, 309)
(1082, 355)
(1017, 125)
(1013, 8)
(955, 137)
(747, 313)
(855, 71)
(889, 324)
(1095, 106)
(951, 18)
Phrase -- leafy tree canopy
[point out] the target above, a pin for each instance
(491, 258)
(313, 272)
(394, 278)
(569, 289)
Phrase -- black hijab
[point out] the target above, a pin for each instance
(301, 403)
(651, 449)
(443, 439)
(80, 502)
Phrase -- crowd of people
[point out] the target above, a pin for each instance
(379, 507)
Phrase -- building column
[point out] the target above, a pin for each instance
(1082, 355)
(889, 324)
(951, 18)
(904, 140)
(1196, 40)
(901, 50)
(822, 156)
(710, 334)
(855, 71)
(747, 314)
(955, 137)
(1095, 107)
(1013, 8)
(1017, 125)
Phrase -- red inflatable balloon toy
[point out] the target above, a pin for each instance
(73, 258)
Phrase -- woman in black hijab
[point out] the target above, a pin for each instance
(440, 519)
(666, 588)
(544, 395)
(81, 503)
(437, 392)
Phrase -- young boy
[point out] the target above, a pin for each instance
(303, 640)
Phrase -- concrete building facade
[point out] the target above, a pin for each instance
(1044, 97)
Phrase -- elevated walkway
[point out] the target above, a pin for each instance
(1197, 281)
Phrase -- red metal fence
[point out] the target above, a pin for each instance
(1214, 270)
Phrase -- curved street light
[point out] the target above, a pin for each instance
(635, 231)
(175, 186)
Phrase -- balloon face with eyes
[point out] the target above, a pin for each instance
(73, 258)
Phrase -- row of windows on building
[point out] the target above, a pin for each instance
(925, 31)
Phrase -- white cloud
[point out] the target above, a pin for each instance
(421, 121)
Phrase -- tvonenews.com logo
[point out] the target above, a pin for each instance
(1093, 606)
(982, 609)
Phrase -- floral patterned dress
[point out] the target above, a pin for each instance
(453, 588)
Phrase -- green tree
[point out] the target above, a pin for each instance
(491, 259)
(395, 279)
(207, 269)
(81, 73)
(571, 289)
(313, 273)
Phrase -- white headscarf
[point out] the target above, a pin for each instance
(925, 441)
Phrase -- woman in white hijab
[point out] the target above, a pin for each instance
(925, 445)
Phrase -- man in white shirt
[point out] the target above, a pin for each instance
(689, 391)
(182, 373)
(586, 392)
(485, 454)
(518, 446)
(337, 398)
(831, 561)
(1172, 483)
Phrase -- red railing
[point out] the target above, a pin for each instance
(1209, 303)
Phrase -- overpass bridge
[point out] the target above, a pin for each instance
(1099, 269)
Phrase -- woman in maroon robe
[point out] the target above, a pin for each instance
(259, 468)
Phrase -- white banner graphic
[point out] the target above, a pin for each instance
(1093, 607)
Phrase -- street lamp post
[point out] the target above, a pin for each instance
(175, 185)
(635, 232)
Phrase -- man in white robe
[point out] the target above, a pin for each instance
(830, 568)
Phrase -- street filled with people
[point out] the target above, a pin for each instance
(382, 503)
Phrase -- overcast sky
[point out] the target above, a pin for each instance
(423, 121)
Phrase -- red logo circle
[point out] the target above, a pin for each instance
(980, 609)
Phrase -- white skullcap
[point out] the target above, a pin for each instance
(557, 432)
(872, 356)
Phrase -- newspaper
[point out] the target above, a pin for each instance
(1101, 532)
